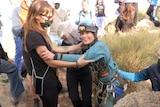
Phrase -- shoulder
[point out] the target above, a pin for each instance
(34, 34)
(153, 66)
(80, 12)
(62, 10)
(101, 42)
(18, 8)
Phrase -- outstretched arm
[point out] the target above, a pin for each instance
(65, 49)
(135, 77)
(51, 59)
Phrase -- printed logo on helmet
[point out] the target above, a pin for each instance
(81, 28)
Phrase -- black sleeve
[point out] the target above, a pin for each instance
(34, 39)
(3, 54)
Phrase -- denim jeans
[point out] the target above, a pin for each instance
(16, 85)
(18, 54)
(100, 21)
(56, 39)
(18, 48)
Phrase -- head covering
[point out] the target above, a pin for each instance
(70, 31)
(88, 25)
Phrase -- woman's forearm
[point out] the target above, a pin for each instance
(65, 49)
(58, 63)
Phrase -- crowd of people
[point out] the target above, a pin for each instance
(46, 40)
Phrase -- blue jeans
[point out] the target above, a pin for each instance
(100, 21)
(16, 86)
(56, 39)
(18, 54)
(18, 46)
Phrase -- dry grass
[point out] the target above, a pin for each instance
(133, 51)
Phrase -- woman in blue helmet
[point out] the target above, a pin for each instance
(104, 68)
(76, 77)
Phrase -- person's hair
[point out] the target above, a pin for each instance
(128, 12)
(98, 1)
(85, 1)
(38, 7)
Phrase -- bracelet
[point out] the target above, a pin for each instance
(61, 56)
(55, 57)
(77, 65)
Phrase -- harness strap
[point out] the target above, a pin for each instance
(111, 81)
(38, 77)
(105, 90)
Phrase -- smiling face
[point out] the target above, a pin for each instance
(87, 37)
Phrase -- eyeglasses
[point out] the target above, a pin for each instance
(49, 17)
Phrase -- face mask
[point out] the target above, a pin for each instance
(56, 5)
(47, 23)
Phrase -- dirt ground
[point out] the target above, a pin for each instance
(26, 100)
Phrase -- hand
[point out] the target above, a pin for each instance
(64, 38)
(47, 55)
(80, 45)
(82, 62)
(11, 61)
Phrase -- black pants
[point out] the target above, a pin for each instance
(82, 77)
(51, 90)
(150, 12)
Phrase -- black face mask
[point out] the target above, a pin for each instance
(158, 62)
(47, 23)
(56, 5)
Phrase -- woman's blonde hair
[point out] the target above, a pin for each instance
(37, 8)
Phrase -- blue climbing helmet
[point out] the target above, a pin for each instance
(87, 25)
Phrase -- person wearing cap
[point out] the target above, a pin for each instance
(76, 77)
(104, 69)
(60, 15)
